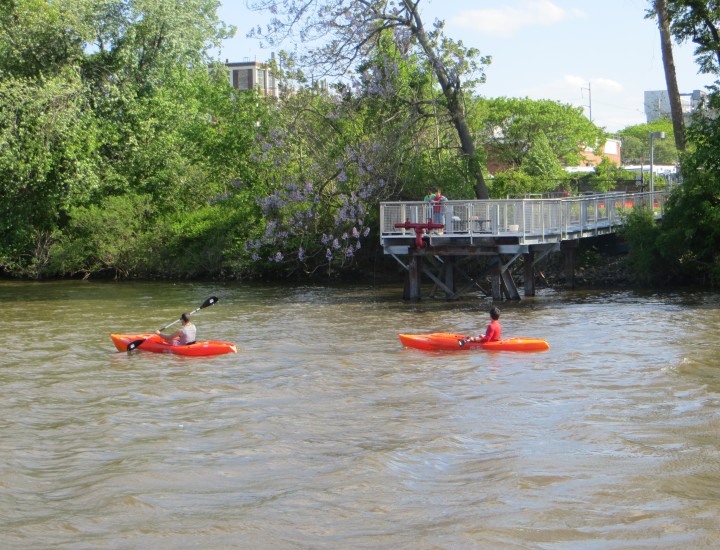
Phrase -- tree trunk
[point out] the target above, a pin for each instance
(452, 91)
(670, 76)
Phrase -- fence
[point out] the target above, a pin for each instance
(529, 220)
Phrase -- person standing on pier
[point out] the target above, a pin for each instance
(438, 201)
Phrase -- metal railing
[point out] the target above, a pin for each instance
(530, 220)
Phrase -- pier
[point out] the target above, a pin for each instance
(439, 244)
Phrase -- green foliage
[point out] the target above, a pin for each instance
(608, 177)
(636, 143)
(209, 241)
(541, 161)
(690, 243)
(641, 232)
(48, 159)
(509, 127)
(513, 182)
(40, 38)
(358, 31)
(134, 113)
(108, 237)
(698, 22)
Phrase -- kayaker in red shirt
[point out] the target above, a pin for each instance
(494, 330)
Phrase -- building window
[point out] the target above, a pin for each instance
(241, 79)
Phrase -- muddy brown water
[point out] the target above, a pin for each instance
(324, 432)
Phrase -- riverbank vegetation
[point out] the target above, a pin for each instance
(127, 153)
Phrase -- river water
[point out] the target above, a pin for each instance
(324, 432)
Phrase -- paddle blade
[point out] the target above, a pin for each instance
(210, 301)
(134, 344)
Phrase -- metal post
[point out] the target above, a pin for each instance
(652, 173)
(653, 135)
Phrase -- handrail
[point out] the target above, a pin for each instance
(529, 220)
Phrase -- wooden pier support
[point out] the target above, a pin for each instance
(450, 278)
(569, 249)
(412, 280)
(442, 265)
(529, 273)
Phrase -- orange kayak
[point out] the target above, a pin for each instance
(156, 344)
(449, 341)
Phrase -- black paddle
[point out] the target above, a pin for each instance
(207, 303)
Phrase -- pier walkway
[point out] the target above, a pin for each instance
(503, 230)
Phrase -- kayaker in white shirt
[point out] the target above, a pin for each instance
(184, 335)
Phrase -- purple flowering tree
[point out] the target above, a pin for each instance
(326, 170)
(342, 35)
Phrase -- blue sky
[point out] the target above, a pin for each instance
(541, 49)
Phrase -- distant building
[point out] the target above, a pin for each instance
(248, 75)
(657, 104)
(611, 151)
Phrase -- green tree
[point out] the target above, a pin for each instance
(636, 143)
(509, 126)
(698, 22)
(354, 29)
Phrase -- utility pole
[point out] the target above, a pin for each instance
(589, 105)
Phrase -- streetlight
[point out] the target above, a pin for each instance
(653, 135)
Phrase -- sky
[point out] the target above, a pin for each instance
(601, 55)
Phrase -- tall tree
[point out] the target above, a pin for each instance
(351, 29)
(676, 112)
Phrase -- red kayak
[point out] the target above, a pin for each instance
(448, 341)
(157, 344)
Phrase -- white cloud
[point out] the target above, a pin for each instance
(508, 20)
(607, 85)
(573, 88)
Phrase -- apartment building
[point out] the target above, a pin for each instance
(248, 75)
(657, 104)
